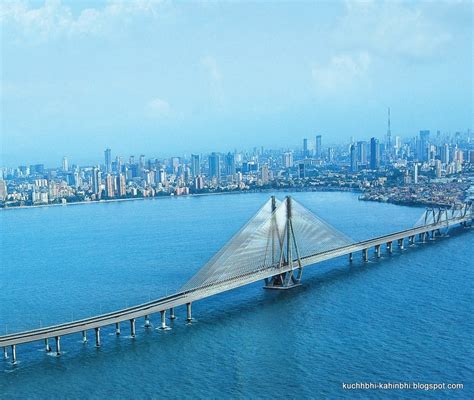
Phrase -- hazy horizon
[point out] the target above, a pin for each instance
(156, 78)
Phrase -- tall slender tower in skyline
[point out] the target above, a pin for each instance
(389, 132)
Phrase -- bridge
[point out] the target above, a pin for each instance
(274, 246)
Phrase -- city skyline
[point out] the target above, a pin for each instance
(80, 75)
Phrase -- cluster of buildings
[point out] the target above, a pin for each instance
(384, 168)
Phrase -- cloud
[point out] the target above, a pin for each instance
(393, 29)
(342, 72)
(54, 18)
(158, 108)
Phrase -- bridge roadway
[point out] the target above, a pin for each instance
(163, 304)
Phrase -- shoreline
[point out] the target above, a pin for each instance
(76, 203)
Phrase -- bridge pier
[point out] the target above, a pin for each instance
(365, 255)
(163, 326)
(189, 317)
(433, 235)
(13, 354)
(97, 337)
(132, 328)
(117, 328)
(47, 347)
(84, 336)
(147, 322)
(58, 345)
(390, 247)
(5, 353)
(411, 240)
(350, 257)
(172, 316)
(377, 250)
(401, 243)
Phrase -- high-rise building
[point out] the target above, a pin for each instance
(302, 170)
(288, 159)
(331, 153)
(318, 146)
(65, 164)
(438, 168)
(374, 154)
(96, 181)
(422, 150)
(362, 153)
(109, 186)
(142, 162)
(198, 182)
(415, 173)
(108, 160)
(122, 185)
(353, 158)
(214, 166)
(195, 165)
(265, 174)
(445, 153)
(389, 134)
(229, 164)
(3, 190)
(305, 148)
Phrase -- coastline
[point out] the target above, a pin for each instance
(286, 190)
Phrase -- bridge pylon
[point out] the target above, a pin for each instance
(291, 278)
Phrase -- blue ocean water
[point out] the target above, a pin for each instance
(407, 317)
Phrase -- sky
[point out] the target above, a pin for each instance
(170, 78)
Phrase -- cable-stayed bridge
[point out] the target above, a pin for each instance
(274, 246)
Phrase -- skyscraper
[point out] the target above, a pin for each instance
(288, 159)
(422, 150)
(389, 134)
(65, 164)
(122, 185)
(109, 186)
(229, 164)
(214, 166)
(362, 153)
(353, 158)
(318, 147)
(195, 165)
(108, 160)
(374, 154)
(305, 148)
(96, 181)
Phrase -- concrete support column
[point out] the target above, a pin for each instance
(390, 247)
(433, 235)
(163, 320)
(84, 336)
(132, 328)
(13, 354)
(172, 316)
(117, 328)
(350, 257)
(58, 345)
(423, 237)
(5, 353)
(365, 255)
(411, 240)
(189, 317)
(97, 337)
(401, 243)
(147, 322)
(377, 250)
(47, 347)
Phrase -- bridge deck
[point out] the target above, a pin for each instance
(182, 298)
